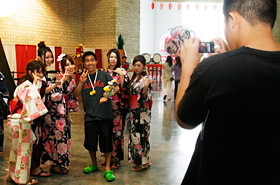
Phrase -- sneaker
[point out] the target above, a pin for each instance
(164, 98)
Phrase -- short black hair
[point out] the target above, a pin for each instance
(88, 53)
(254, 11)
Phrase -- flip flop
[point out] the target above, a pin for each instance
(41, 172)
(109, 176)
(90, 169)
(60, 171)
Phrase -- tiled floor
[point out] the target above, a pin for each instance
(171, 151)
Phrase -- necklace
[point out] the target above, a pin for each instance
(93, 85)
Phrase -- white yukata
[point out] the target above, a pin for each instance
(19, 127)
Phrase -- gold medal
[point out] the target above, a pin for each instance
(92, 92)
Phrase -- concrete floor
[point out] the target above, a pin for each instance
(171, 151)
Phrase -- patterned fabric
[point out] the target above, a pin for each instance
(57, 131)
(119, 103)
(19, 128)
(139, 118)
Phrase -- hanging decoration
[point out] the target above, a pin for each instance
(170, 6)
(153, 5)
(179, 6)
(172, 40)
(161, 6)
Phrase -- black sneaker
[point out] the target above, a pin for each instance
(164, 98)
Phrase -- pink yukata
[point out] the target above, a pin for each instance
(25, 107)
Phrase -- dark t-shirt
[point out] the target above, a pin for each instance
(241, 139)
(94, 110)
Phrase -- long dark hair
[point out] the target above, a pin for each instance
(43, 49)
(169, 60)
(118, 57)
(64, 60)
(138, 58)
(178, 62)
(32, 66)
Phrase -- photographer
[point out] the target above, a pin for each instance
(235, 95)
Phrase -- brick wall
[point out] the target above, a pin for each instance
(57, 22)
(99, 26)
(67, 23)
(128, 24)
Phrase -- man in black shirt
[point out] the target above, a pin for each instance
(235, 95)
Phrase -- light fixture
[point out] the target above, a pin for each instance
(9, 7)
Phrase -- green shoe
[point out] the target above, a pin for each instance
(109, 176)
(90, 169)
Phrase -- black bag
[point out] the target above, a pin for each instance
(4, 108)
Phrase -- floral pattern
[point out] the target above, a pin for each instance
(57, 131)
(20, 131)
(119, 104)
(139, 118)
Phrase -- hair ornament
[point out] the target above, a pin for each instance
(60, 57)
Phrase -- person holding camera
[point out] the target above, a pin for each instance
(235, 95)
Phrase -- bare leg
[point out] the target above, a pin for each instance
(93, 158)
(108, 161)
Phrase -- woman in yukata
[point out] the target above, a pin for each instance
(119, 104)
(57, 132)
(139, 116)
(45, 56)
(25, 107)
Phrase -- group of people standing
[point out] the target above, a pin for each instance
(40, 125)
(168, 77)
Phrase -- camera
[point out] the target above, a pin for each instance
(206, 47)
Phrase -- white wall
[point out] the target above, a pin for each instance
(165, 19)
(147, 27)
(154, 23)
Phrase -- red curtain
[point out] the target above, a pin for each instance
(24, 53)
(98, 53)
(58, 51)
(21, 57)
(31, 52)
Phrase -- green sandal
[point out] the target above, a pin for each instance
(90, 169)
(109, 176)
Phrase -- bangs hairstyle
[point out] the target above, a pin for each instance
(118, 57)
(88, 53)
(64, 60)
(32, 66)
(254, 11)
(138, 58)
(43, 49)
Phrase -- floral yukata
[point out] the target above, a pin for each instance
(139, 118)
(25, 107)
(119, 103)
(57, 131)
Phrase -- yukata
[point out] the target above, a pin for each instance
(37, 128)
(139, 118)
(119, 103)
(57, 130)
(25, 107)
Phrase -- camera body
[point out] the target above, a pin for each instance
(206, 47)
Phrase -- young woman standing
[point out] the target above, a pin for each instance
(119, 103)
(139, 116)
(57, 132)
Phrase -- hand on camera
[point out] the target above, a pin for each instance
(189, 52)
(221, 46)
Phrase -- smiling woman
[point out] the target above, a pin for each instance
(10, 7)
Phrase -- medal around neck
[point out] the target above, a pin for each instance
(93, 85)
(92, 92)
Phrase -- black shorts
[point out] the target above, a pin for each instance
(101, 128)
